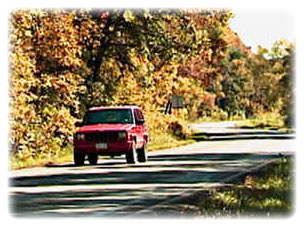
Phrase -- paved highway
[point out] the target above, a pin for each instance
(113, 188)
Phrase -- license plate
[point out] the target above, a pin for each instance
(101, 146)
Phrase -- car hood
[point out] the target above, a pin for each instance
(105, 127)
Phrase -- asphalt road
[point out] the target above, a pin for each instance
(114, 189)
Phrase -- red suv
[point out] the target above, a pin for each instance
(111, 131)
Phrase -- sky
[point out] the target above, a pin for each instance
(263, 27)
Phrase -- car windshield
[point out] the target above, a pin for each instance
(108, 116)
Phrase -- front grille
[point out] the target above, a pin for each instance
(103, 137)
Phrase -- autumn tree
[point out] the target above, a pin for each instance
(282, 57)
(64, 61)
(47, 77)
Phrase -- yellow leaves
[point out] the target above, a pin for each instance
(127, 90)
(210, 52)
(22, 19)
(64, 121)
(227, 198)
(261, 50)
(111, 68)
(28, 33)
(22, 57)
(147, 14)
(63, 88)
(52, 52)
(199, 34)
(282, 48)
(129, 16)
(58, 39)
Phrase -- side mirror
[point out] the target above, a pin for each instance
(78, 124)
(140, 121)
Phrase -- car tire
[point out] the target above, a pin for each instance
(131, 156)
(93, 158)
(79, 159)
(141, 154)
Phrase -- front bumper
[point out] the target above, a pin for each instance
(118, 147)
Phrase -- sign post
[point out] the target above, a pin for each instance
(175, 102)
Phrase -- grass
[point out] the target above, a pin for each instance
(270, 121)
(262, 123)
(267, 193)
(166, 141)
(64, 156)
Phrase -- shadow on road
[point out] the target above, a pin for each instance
(114, 185)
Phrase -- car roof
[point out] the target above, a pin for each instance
(112, 107)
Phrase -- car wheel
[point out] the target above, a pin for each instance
(141, 154)
(79, 159)
(131, 156)
(93, 158)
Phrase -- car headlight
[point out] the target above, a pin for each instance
(80, 136)
(122, 135)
